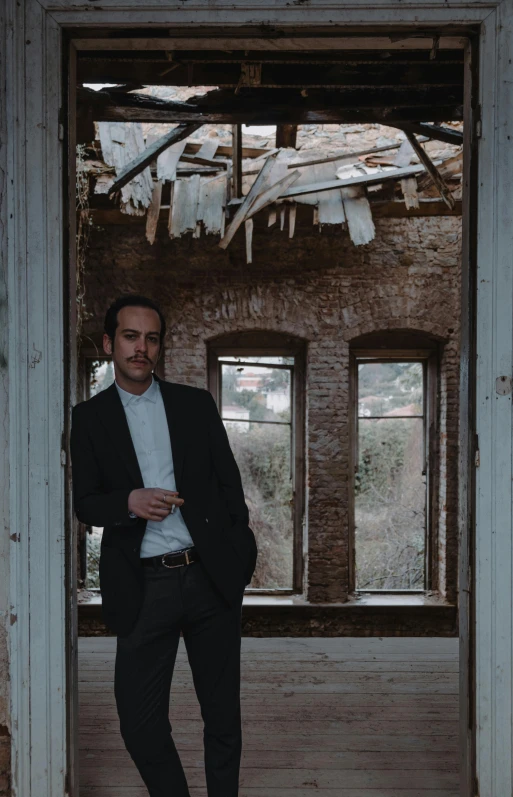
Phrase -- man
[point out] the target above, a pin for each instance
(153, 466)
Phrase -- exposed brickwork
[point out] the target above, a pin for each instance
(326, 291)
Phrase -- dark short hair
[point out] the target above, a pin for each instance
(131, 300)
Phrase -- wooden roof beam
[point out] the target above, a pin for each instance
(437, 178)
(437, 132)
(150, 154)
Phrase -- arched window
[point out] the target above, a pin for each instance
(395, 462)
(257, 379)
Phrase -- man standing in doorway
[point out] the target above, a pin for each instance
(152, 465)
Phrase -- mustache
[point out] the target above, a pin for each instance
(139, 360)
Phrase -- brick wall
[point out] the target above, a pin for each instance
(319, 287)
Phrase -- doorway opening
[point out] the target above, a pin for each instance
(298, 214)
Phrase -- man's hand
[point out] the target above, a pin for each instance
(153, 503)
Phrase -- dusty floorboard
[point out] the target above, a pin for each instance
(335, 717)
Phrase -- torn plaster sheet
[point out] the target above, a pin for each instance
(167, 161)
(358, 214)
(121, 143)
(183, 212)
(212, 204)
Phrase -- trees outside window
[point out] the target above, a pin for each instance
(260, 399)
(394, 412)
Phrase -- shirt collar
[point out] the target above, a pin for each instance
(150, 394)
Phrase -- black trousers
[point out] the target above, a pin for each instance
(181, 599)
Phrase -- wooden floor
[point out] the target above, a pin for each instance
(334, 717)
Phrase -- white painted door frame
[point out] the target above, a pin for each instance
(34, 393)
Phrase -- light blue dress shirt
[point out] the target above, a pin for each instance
(147, 421)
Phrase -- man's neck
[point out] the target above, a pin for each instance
(131, 386)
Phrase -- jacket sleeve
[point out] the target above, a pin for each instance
(92, 504)
(225, 466)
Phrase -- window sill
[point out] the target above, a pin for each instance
(359, 601)
(293, 616)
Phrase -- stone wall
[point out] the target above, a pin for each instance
(319, 287)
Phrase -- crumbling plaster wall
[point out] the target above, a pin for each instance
(322, 288)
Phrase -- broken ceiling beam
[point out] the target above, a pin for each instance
(450, 169)
(286, 136)
(437, 132)
(237, 160)
(193, 147)
(364, 179)
(260, 184)
(432, 171)
(151, 153)
(277, 106)
(271, 194)
(349, 156)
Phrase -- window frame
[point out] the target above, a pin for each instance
(274, 345)
(429, 356)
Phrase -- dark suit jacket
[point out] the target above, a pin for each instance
(105, 471)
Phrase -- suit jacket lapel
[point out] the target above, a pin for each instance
(177, 427)
(112, 415)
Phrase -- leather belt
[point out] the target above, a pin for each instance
(173, 559)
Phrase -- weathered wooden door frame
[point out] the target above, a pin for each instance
(36, 394)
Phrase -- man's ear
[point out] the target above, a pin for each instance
(107, 345)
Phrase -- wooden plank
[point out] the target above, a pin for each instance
(153, 214)
(248, 226)
(346, 156)
(184, 206)
(291, 759)
(237, 160)
(296, 741)
(167, 161)
(146, 157)
(271, 194)
(410, 193)
(366, 179)
(292, 219)
(212, 204)
(295, 778)
(323, 647)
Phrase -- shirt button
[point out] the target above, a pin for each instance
(206, 520)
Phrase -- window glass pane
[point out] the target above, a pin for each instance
(391, 388)
(268, 360)
(390, 505)
(256, 393)
(100, 375)
(263, 453)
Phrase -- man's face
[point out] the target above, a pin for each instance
(136, 344)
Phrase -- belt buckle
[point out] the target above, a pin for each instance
(170, 567)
